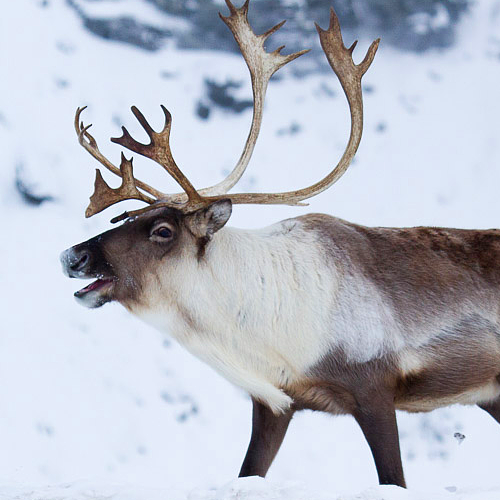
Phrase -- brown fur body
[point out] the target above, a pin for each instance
(430, 276)
(441, 283)
(435, 291)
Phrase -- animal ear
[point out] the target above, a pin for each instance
(205, 222)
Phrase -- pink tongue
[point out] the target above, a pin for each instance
(94, 285)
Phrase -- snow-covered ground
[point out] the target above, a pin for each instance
(94, 404)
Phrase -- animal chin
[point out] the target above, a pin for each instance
(97, 293)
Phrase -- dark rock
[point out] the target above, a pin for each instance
(220, 95)
(293, 129)
(407, 24)
(27, 191)
(128, 30)
(415, 25)
(123, 29)
(202, 110)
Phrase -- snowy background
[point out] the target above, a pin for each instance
(94, 404)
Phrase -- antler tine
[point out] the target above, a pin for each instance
(104, 196)
(159, 150)
(233, 9)
(339, 57)
(90, 145)
(262, 65)
(272, 30)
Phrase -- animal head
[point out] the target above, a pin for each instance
(125, 260)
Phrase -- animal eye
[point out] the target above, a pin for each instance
(163, 232)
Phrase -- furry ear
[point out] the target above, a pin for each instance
(205, 222)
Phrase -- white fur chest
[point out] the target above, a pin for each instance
(256, 308)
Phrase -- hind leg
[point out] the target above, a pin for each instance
(377, 420)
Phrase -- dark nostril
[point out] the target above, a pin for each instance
(79, 264)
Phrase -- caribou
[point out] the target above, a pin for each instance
(312, 312)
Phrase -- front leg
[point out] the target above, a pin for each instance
(268, 431)
(377, 419)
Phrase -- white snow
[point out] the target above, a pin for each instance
(94, 404)
(424, 22)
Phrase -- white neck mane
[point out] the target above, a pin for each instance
(237, 308)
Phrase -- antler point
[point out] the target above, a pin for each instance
(231, 7)
(351, 48)
(294, 56)
(125, 159)
(98, 175)
(272, 30)
(334, 21)
(370, 54)
(167, 113)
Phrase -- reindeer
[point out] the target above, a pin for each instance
(312, 312)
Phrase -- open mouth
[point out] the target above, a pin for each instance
(100, 284)
(97, 293)
(81, 263)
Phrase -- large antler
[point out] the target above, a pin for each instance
(349, 74)
(262, 65)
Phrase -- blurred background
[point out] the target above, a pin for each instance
(96, 395)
